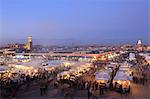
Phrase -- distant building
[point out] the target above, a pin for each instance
(139, 42)
(8, 52)
(29, 43)
(127, 47)
(148, 48)
(139, 45)
(22, 47)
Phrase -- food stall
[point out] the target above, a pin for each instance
(103, 78)
(76, 70)
(3, 69)
(121, 82)
(111, 66)
(63, 75)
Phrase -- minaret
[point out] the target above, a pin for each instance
(29, 43)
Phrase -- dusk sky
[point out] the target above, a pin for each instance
(53, 22)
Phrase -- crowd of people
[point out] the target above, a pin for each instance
(141, 75)
(11, 85)
(93, 88)
(141, 72)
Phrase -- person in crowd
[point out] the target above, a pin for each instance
(96, 85)
(100, 90)
(46, 87)
(121, 90)
(28, 80)
(91, 91)
(71, 94)
(89, 94)
(66, 95)
(94, 94)
(41, 87)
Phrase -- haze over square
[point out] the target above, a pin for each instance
(75, 21)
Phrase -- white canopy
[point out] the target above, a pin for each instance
(32, 63)
(121, 76)
(3, 69)
(102, 76)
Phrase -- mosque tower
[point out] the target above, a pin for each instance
(29, 43)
